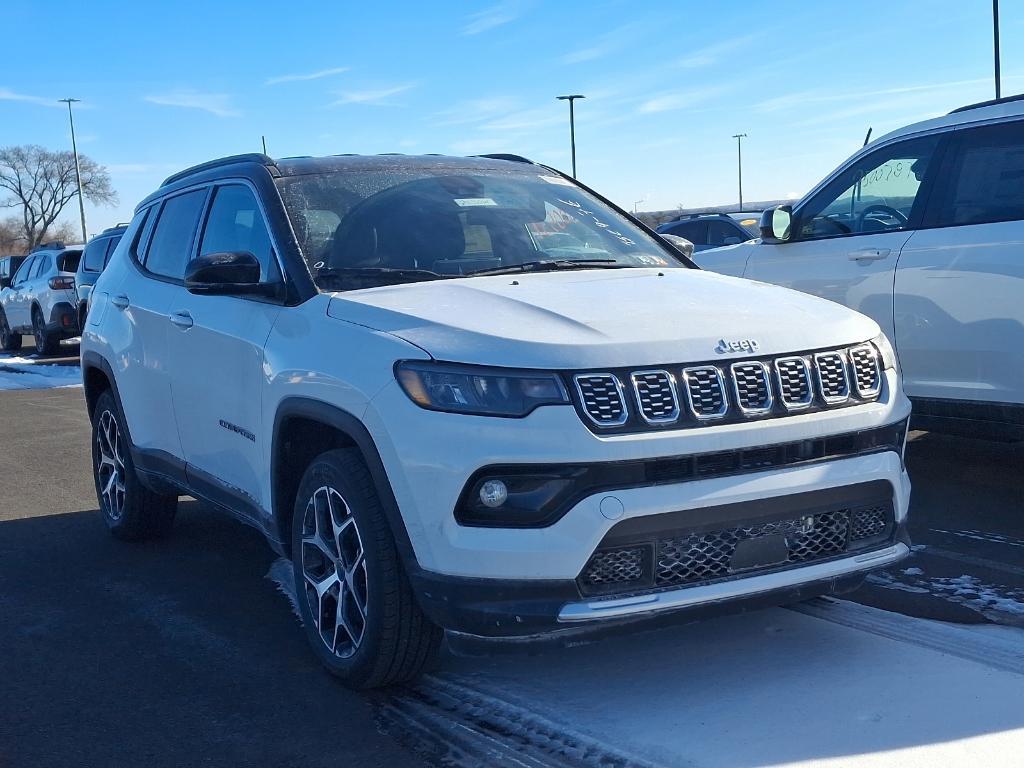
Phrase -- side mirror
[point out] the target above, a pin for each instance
(235, 273)
(680, 244)
(776, 224)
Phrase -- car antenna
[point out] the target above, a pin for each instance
(868, 137)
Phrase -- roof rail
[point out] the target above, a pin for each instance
(252, 157)
(989, 103)
(53, 245)
(504, 156)
(698, 214)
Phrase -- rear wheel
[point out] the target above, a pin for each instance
(359, 612)
(46, 342)
(131, 511)
(9, 340)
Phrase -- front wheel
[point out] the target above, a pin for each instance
(9, 340)
(357, 605)
(130, 510)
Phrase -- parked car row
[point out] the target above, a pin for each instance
(46, 293)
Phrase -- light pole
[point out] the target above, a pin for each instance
(78, 169)
(572, 126)
(739, 157)
(995, 40)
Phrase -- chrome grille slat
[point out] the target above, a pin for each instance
(833, 377)
(656, 395)
(602, 398)
(752, 387)
(705, 392)
(794, 379)
(867, 374)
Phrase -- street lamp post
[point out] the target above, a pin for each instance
(572, 126)
(78, 169)
(739, 158)
(995, 41)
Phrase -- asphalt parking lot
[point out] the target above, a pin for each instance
(185, 651)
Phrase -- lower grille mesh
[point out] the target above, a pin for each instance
(689, 558)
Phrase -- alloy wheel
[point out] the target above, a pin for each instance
(334, 571)
(110, 469)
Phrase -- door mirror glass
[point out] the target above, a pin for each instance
(776, 224)
(680, 244)
(232, 273)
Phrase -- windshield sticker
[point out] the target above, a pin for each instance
(557, 180)
(597, 222)
(471, 202)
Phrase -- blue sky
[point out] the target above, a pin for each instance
(166, 85)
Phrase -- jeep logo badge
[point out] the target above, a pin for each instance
(740, 345)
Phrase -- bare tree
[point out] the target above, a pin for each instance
(42, 182)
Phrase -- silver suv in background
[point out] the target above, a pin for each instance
(90, 266)
(41, 299)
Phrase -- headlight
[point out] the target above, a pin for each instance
(888, 354)
(478, 390)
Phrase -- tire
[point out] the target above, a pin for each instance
(341, 541)
(132, 511)
(9, 340)
(46, 343)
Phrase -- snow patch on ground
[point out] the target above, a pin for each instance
(997, 604)
(29, 372)
(283, 575)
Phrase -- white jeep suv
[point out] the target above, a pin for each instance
(41, 299)
(923, 231)
(375, 361)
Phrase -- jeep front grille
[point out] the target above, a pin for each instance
(675, 396)
(602, 398)
(753, 387)
(867, 376)
(656, 393)
(705, 392)
(833, 378)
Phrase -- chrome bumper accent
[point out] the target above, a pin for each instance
(740, 587)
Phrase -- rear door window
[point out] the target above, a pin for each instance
(723, 233)
(171, 244)
(23, 272)
(95, 253)
(694, 231)
(986, 178)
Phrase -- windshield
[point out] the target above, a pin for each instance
(381, 225)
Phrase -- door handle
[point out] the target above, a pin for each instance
(182, 319)
(121, 302)
(869, 254)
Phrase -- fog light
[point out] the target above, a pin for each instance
(493, 493)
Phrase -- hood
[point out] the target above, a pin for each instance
(600, 318)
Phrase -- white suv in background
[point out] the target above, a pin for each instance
(922, 230)
(41, 299)
(375, 361)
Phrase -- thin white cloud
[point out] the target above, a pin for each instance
(799, 99)
(524, 121)
(476, 111)
(712, 54)
(8, 95)
(218, 104)
(492, 17)
(306, 76)
(673, 100)
(373, 96)
(603, 45)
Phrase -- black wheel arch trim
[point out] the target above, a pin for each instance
(349, 425)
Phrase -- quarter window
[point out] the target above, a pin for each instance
(42, 264)
(171, 244)
(876, 193)
(987, 178)
(236, 224)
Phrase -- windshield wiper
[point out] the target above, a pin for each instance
(550, 265)
(368, 277)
